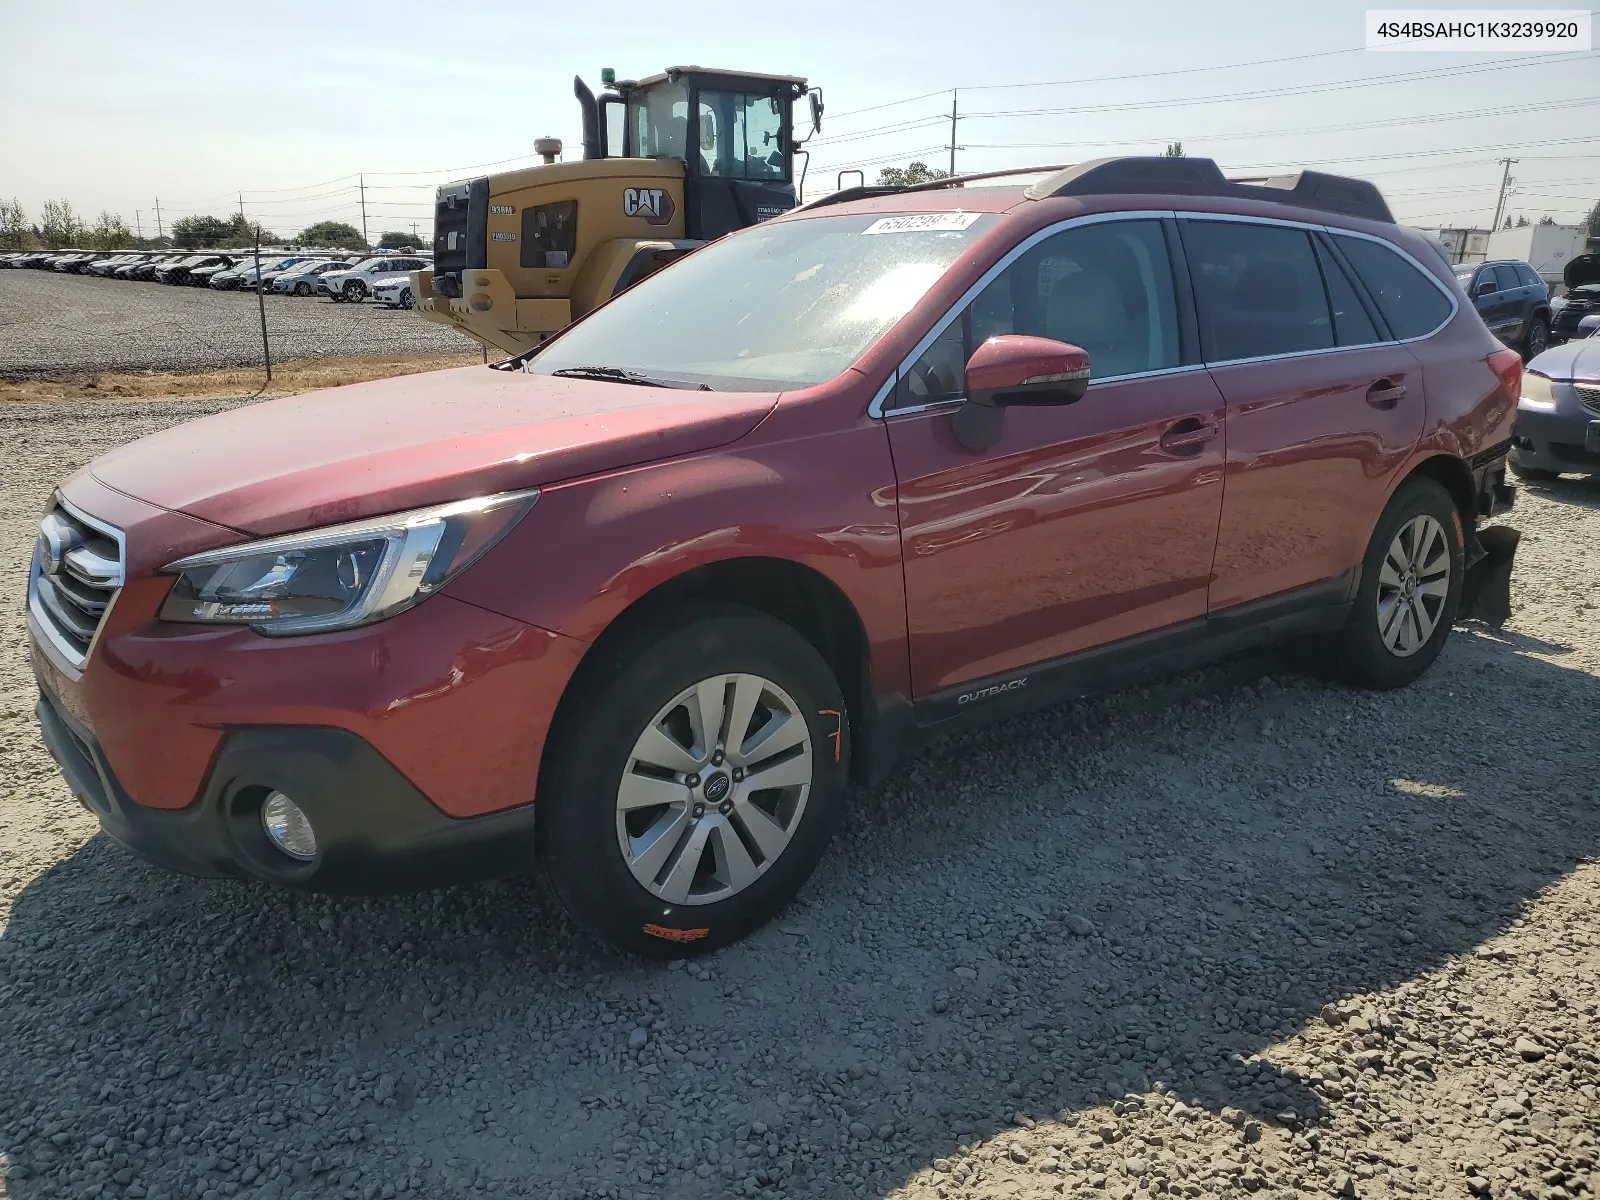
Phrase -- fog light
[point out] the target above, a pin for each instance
(288, 828)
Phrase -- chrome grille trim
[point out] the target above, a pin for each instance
(69, 601)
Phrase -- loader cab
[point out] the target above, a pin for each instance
(733, 132)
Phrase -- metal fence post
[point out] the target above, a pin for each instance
(261, 302)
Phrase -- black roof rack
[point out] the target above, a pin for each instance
(1202, 177)
(868, 190)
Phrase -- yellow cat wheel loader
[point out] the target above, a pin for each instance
(669, 163)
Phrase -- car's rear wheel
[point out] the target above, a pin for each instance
(1410, 589)
(302, 289)
(1538, 337)
(696, 779)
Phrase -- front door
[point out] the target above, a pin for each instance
(1322, 408)
(1085, 523)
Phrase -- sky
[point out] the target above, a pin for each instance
(293, 104)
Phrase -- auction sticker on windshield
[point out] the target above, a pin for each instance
(922, 222)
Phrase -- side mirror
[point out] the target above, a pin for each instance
(1017, 369)
(815, 96)
(1486, 287)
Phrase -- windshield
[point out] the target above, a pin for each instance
(781, 305)
(659, 121)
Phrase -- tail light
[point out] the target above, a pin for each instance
(1508, 365)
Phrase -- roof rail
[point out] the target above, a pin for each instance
(1202, 177)
(866, 190)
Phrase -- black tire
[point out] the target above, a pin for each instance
(1531, 474)
(1362, 656)
(405, 298)
(579, 852)
(354, 291)
(302, 289)
(1537, 339)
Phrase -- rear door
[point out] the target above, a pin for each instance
(1494, 302)
(1517, 298)
(1322, 408)
(1085, 523)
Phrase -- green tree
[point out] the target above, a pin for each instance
(917, 172)
(398, 241)
(1522, 222)
(59, 225)
(243, 232)
(335, 235)
(110, 232)
(1173, 150)
(200, 232)
(13, 225)
(1592, 221)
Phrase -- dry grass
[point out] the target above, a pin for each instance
(296, 375)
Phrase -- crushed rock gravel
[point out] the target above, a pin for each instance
(1237, 932)
(55, 326)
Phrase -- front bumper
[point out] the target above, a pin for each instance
(1557, 441)
(375, 831)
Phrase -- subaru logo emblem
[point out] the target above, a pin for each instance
(716, 789)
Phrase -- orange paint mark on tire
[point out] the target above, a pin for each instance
(838, 728)
(676, 935)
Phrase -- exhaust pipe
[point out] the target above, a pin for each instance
(591, 117)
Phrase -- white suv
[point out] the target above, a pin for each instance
(356, 284)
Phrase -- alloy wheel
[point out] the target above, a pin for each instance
(1538, 339)
(714, 789)
(1413, 585)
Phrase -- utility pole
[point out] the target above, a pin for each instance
(1505, 187)
(364, 236)
(159, 235)
(414, 235)
(138, 224)
(241, 209)
(952, 131)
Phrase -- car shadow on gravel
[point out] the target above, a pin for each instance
(1035, 919)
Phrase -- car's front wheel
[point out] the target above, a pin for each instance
(696, 778)
(1538, 337)
(302, 289)
(1410, 589)
(355, 291)
(405, 298)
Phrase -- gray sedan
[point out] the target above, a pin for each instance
(1558, 416)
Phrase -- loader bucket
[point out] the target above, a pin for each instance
(1486, 589)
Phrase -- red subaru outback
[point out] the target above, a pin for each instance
(634, 611)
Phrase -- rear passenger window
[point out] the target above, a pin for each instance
(1411, 302)
(1507, 276)
(1529, 277)
(1351, 324)
(1258, 289)
(1106, 287)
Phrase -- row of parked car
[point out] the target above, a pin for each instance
(385, 278)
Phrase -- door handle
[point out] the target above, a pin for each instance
(1188, 435)
(1385, 394)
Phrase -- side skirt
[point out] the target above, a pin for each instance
(1319, 608)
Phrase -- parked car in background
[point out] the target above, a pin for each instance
(202, 276)
(8, 259)
(71, 263)
(106, 266)
(1558, 416)
(394, 292)
(292, 263)
(1512, 300)
(178, 273)
(1582, 299)
(146, 268)
(355, 284)
(302, 280)
(473, 623)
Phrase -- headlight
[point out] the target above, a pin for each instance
(1536, 394)
(343, 575)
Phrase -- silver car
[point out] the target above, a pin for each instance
(1558, 416)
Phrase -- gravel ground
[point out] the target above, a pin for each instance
(1241, 931)
(54, 325)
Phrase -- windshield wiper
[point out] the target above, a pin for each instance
(615, 374)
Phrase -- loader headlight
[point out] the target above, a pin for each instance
(1536, 393)
(343, 575)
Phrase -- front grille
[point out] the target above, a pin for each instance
(77, 569)
(1589, 397)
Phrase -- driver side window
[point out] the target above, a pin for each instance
(1106, 287)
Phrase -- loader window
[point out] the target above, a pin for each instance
(549, 234)
(659, 121)
(741, 136)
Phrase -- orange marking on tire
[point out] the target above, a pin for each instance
(838, 728)
(676, 935)
(1461, 538)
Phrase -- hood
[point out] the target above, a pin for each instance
(1581, 270)
(1578, 360)
(394, 444)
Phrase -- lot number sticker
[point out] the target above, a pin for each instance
(922, 222)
